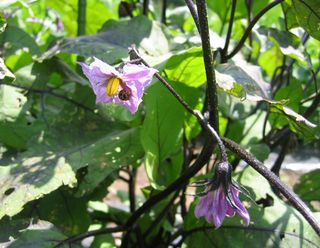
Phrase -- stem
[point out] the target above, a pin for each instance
(208, 61)
(82, 4)
(296, 202)
(226, 45)
(132, 185)
(145, 7)
(194, 13)
(164, 12)
(91, 233)
(282, 154)
(250, 27)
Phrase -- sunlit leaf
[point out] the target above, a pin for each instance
(242, 80)
(48, 166)
(187, 67)
(161, 135)
(286, 41)
(15, 39)
(31, 234)
(112, 42)
(307, 13)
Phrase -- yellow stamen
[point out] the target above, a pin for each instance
(113, 86)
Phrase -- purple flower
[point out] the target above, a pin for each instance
(124, 85)
(221, 198)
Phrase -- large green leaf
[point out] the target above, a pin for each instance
(286, 41)
(54, 162)
(112, 42)
(16, 39)
(278, 225)
(242, 80)
(187, 67)
(308, 187)
(307, 13)
(161, 135)
(30, 235)
(97, 13)
(245, 81)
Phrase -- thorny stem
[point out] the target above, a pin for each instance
(276, 182)
(226, 45)
(208, 62)
(250, 27)
(194, 13)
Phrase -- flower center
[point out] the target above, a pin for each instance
(113, 86)
(124, 94)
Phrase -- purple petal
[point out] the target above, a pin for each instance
(219, 207)
(241, 210)
(98, 74)
(203, 207)
(140, 74)
(105, 68)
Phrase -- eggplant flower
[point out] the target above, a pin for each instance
(221, 197)
(123, 85)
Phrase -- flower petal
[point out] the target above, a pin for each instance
(241, 210)
(140, 74)
(203, 206)
(98, 74)
(220, 207)
(104, 67)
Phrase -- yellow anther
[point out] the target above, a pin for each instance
(113, 86)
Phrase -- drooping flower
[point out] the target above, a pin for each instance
(221, 197)
(124, 85)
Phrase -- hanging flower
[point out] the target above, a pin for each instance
(124, 85)
(221, 197)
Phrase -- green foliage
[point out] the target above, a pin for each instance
(112, 42)
(308, 187)
(69, 165)
(307, 14)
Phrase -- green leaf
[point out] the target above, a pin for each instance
(53, 163)
(308, 187)
(5, 74)
(242, 80)
(278, 225)
(65, 211)
(121, 149)
(97, 12)
(290, 15)
(41, 234)
(187, 67)
(271, 59)
(307, 14)
(112, 42)
(297, 123)
(17, 39)
(161, 135)
(254, 88)
(286, 41)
